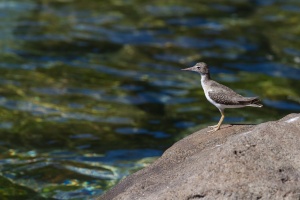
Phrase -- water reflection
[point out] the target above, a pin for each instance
(91, 92)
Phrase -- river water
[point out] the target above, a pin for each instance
(92, 91)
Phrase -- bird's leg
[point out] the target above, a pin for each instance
(217, 127)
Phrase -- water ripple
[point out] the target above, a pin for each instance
(92, 91)
(272, 69)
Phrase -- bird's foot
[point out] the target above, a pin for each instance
(214, 126)
(213, 130)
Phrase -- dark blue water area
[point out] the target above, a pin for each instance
(84, 136)
(140, 37)
(292, 51)
(120, 160)
(197, 22)
(184, 124)
(94, 91)
(131, 154)
(223, 8)
(162, 11)
(291, 8)
(108, 157)
(133, 131)
(78, 194)
(231, 119)
(286, 105)
(189, 42)
(268, 68)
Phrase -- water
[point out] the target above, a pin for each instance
(92, 91)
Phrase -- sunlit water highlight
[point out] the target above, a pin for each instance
(91, 92)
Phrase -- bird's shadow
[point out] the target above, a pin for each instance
(235, 124)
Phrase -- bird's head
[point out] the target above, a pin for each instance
(200, 67)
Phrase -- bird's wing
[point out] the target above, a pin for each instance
(222, 98)
(248, 99)
(224, 95)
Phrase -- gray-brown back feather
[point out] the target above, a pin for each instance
(224, 95)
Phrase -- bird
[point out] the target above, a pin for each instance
(220, 95)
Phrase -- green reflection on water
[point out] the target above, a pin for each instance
(91, 92)
(11, 191)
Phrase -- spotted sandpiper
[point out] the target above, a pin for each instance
(219, 95)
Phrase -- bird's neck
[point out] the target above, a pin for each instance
(205, 78)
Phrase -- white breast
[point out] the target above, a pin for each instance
(206, 90)
(220, 106)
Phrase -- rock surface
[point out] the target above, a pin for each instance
(237, 162)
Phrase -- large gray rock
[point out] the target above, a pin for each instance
(237, 162)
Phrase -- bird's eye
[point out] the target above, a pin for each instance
(198, 67)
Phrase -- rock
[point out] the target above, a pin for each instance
(237, 162)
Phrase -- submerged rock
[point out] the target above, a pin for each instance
(237, 162)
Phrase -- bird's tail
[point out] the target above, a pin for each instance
(256, 105)
(253, 102)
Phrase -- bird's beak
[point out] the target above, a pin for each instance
(188, 69)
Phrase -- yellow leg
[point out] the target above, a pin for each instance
(217, 127)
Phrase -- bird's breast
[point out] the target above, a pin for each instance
(206, 90)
